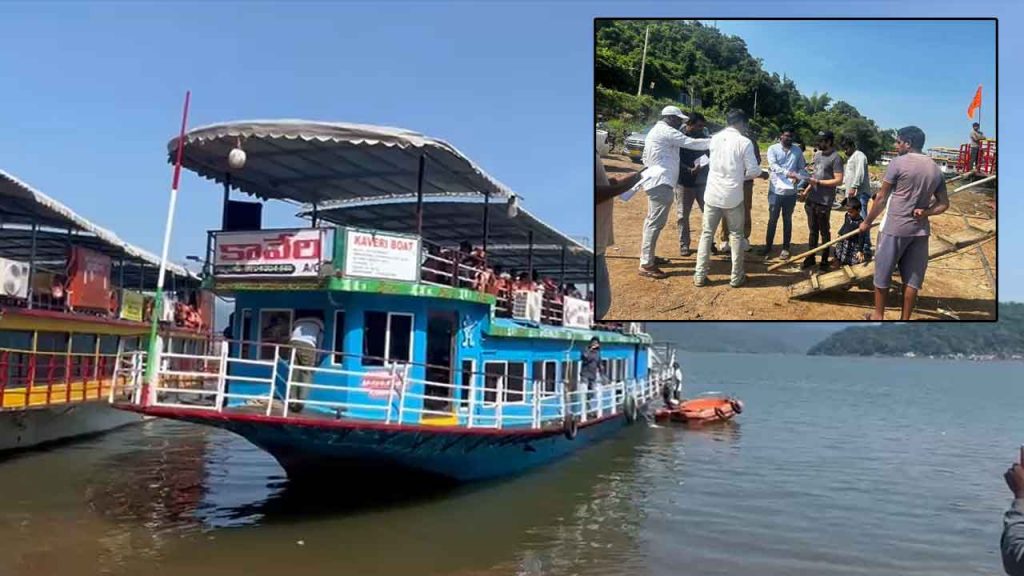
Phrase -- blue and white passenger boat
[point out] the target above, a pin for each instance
(424, 365)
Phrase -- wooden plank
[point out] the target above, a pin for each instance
(937, 246)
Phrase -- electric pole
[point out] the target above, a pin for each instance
(643, 62)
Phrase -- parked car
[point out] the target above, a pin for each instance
(635, 144)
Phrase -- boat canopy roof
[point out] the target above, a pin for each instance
(449, 221)
(21, 206)
(313, 162)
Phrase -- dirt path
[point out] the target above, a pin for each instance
(956, 283)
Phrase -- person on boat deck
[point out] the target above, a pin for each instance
(1012, 542)
(591, 367)
(913, 189)
(661, 150)
(307, 332)
(976, 139)
(229, 330)
(673, 392)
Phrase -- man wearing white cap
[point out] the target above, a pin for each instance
(661, 149)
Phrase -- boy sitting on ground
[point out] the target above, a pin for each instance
(855, 249)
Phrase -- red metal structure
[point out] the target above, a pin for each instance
(986, 158)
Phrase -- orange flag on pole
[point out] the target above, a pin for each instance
(975, 104)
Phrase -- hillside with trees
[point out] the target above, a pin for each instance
(703, 69)
(996, 340)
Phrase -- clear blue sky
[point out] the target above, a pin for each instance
(93, 92)
(895, 72)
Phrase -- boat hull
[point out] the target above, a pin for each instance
(36, 427)
(319, 449)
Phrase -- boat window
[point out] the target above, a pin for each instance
(515, 382)
(537, 373)
(108, 354)
(493, 372)
(246, 332)
(339, 336)
(15, 340)
(275, 328)
(130, 343)
(51, 348)
(386, 335)
(570, 374)
(549, 376)
(83, 352)
(17, 366)
(467, 381)
(399, 337)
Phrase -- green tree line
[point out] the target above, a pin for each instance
(688, 57)
(1002, 339)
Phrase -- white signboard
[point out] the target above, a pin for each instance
(576, 313)
(273, 253)
(378, 255)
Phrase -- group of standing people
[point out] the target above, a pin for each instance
(718, 174)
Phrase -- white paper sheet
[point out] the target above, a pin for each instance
(646, 177)
(702, 161)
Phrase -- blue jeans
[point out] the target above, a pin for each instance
(864, 198)
(785, 205)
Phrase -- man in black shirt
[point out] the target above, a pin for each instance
(693, 178)
(820, 194)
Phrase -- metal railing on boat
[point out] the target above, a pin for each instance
(205, 382)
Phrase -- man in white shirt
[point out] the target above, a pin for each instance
(661, 149)
(732, 162)
(307, 332)
(856, 178)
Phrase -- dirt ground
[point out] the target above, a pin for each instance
(956, 285)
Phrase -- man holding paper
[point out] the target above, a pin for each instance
(661, 157)
(732, 163)
(693, 177)
(785, 165)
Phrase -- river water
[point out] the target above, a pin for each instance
(837, 466)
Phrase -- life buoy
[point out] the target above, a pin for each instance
(737, 406)
(629, 408)
(570, 427)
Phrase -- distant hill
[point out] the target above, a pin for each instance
(744, 337)
(981, 340)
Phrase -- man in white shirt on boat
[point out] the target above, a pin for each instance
(307, 333)
(732, 162)
(661, 150)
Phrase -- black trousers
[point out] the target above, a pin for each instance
(819, 225)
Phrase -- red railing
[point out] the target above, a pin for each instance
(985, 162)
(33, 379)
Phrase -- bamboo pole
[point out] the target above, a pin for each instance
(778, 265)
(973, 184)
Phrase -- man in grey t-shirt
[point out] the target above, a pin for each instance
(820, 195)
(912, 190)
